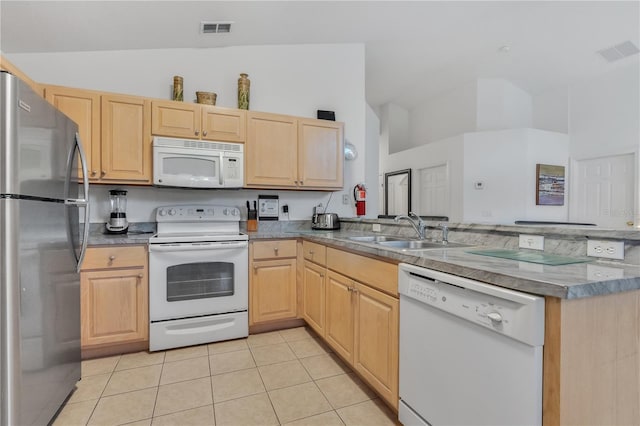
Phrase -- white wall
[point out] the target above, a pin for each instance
(604, 113)
(505, 161)
(291, 79)
(398, 123)
(551, 110)
(448, 114)
(371, 161)
(502, 105)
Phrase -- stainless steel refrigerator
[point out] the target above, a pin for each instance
(42, 242)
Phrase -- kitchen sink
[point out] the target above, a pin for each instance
(420, 244)
(375, 239)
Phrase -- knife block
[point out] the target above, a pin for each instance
(252, 225)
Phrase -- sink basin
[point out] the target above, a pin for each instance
(419, 244)
(374, 239)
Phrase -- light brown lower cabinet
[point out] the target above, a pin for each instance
(272, 281)
(362, 327)
(313, 295)
(114, 296)
(359, 319)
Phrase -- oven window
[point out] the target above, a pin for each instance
(199, 281)
(202, 167)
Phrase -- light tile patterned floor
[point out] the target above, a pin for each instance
(283, 377)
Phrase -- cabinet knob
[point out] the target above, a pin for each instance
(295, 181)
(311, 252)
(94, 172)
(321, 275)
(102, 173)
(275, 250)
(350, 288)
(301, 183)
(197, 132)
(112, 258)
(140, 275)
(204, 133)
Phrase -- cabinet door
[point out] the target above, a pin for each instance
(321, 154)
(83, 107)
(313, 296)
(376, 341)
(221, 124)
(339, 314)
(126, 139)
(271, 150)
(114, 305)
(272, 290)
(175, 119)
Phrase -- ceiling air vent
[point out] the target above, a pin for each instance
(619, 51)
(215, 27)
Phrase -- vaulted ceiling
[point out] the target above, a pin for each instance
(413, 49)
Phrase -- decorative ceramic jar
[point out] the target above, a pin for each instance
(208, 98)
(244, 85)
(178, 94)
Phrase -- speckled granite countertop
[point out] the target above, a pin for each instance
(139, 233)
(563, 281)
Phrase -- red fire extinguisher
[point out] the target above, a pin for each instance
(360, 195)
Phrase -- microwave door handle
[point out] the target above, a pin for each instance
(221, 169)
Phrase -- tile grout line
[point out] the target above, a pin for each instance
(155, 402)
(265, 386)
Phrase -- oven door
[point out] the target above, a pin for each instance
(195, 279)
(179, 167)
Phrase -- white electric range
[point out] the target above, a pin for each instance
(198, 276)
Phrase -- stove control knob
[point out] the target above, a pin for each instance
(226, 212)
(172, 212)
(210, 211)
(234, 212)
(162, 212)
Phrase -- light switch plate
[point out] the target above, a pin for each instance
(534, 242)
(606, 249)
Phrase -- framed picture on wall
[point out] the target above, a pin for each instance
(549, 185)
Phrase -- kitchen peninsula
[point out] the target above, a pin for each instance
(592, 325)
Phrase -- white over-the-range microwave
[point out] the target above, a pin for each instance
(189, 163)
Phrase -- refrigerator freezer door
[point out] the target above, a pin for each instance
(34, 142)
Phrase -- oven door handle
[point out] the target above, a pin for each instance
(197, 246)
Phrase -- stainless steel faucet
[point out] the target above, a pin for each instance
(445, 232)
(415, 221)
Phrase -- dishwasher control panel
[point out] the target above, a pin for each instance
(505, 311)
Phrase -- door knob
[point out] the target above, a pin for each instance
(94, 172)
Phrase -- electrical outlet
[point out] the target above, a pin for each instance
(377, 227)
(601, 273)
(534, 242)
(345, 198)
(606, 249)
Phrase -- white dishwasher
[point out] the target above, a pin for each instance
(470, 353)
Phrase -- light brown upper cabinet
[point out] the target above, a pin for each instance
(83, 107)
(126, 139)
(287, 152)
(195, 121)
(320, 153)
(114, 131)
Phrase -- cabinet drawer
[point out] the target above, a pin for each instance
(375, 273)
(316, 253)
(115, 257)
(274, 249)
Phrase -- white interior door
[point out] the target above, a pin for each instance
(434, 191)
(603, 191)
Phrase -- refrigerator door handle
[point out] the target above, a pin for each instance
(81, 202)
